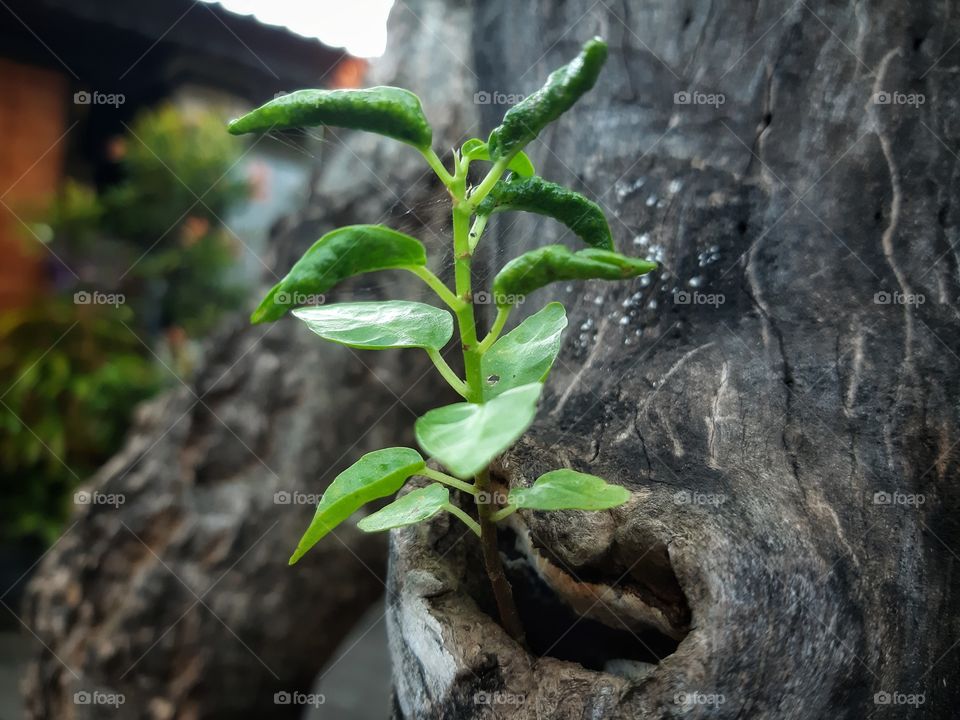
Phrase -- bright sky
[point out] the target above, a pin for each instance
(358, 25)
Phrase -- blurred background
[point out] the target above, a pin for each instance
(131, 225)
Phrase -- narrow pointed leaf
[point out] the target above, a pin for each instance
(389, 111)
(465, 437)
(525, 354)
(380, 325)
(375, 475)
(524, 121)
(569, 490)
(532, 270)
(339, 254)
(416, 506)
(536, 195)
(476, 149)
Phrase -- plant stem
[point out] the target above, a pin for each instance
(467, 520)
(448, 480)
(434, 162)
(503, 512)
(436, 284)
(502, 592)
(503, 313)
(448, 374)
(486, 185)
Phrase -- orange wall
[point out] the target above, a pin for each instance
(33, 111)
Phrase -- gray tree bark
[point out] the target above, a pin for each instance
(781, 398)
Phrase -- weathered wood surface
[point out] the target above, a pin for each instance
(792, 449)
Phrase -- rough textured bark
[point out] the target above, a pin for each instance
(181, 598)
(789, 550)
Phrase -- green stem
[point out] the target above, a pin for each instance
(465, 317)
(436, 284)
(486, 185)
(477, 230)
(503, 512)
(448, 480)
(502, 314)
(434, 162)
(467, 520)
(448, 374)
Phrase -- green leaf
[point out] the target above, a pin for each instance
(524, 121)
(339, 254)
(379, 325)
(465, 437)
(389, 111)
(534, 194)
(525, 354)
(552, 263)
(416, 506)
(569, 490)
(375, 475)
(476, 149)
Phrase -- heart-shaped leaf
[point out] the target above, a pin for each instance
(375, 475)
(524, 121)
(416, 506)
(379, 325)
(339, 254)
(525, 354)
(536, 195)
(540, 267)
(476, 149)
(465, 437)
(389, 111)
(569, 490)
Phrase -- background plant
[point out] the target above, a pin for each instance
(504, 374)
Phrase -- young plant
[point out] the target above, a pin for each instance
(504, 375)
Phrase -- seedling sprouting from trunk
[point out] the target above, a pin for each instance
(503, 375)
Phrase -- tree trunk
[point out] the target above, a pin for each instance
(780, 398)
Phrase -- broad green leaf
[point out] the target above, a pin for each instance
(476, 149)
(375, 475)
(532, 270)
(416, 506)
(339, 254)
(525, 354)
(524, 121)
(379, 325)
(465, 437)
(536, 195)
(389, 111)
(569, 490)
